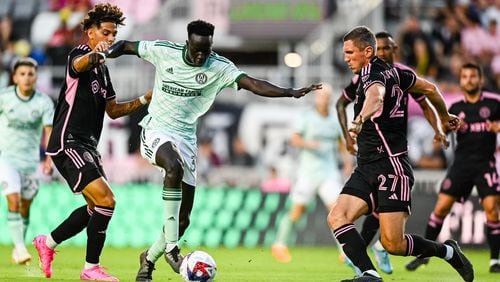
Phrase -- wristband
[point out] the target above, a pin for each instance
(143, 100)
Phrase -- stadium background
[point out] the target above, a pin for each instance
(246, 163)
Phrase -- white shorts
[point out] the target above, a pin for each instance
(327, 189)
(12, 181)
(151, 140)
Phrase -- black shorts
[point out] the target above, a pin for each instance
(385, 184)
(79, 166)
(462, 177)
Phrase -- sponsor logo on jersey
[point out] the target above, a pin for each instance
(484, 112)
(155, 143)
(201, 78)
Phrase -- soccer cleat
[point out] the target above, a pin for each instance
(416, 263)
(460, 262)
(347, 261)
(45, 254)
(145, 273)
(96, 273)
(495, 268)
(21, 256)
(280, 253)
(364, 278)
(382, 259)
(174, 258)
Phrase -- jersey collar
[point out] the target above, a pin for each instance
(21, 97)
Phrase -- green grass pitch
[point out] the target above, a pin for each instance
(309, 264)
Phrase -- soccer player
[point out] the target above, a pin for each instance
(188, 78)
(319, 138)
(86, 94)
(386, 50)
(383, 178)
(25, 114)
(474, 163)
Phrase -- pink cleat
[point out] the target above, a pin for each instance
(45, 254)
(96, 273)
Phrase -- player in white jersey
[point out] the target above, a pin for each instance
(24, 114)
(318, 135)
(188, 78)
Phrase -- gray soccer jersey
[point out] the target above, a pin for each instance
(21, 124)
(321, 162)
(183, 92)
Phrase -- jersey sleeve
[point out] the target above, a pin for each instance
(407, 79)
(75, 53)
(350, 91)
(418, 97)
(368, 78)
(48, 111)
(149, 51)
(230, 74)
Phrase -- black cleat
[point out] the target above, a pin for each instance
(495, 268)
(174, 258)
(145, 273)
(460, 262)
(416, 263)
(364, 278)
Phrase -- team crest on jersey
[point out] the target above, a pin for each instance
(446, 184)
(201, 78)
(88, 157)
(35, 114)
(484, 112)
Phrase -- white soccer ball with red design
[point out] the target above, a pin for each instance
(198, 266)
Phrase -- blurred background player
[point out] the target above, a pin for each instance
(386, 50)
(319, 138)
(188, 78)
(25, 118)
(474, 163)
(87, 93)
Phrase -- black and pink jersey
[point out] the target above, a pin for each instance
(81, 105)
(384, 135)
(474, 142)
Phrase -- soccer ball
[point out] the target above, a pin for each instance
(198, 266)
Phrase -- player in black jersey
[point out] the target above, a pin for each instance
(474, 163)
(86, 94)
(383, 179)
(386, 50)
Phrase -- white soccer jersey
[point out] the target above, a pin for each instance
(183, 92)
(21, 124)
(319, 163)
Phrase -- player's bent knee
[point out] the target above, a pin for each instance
(394, 247)
(336, 219)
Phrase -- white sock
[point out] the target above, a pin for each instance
(449, 253)
(378, 246)
(169, 247)
(372, 273)
(89, 265)
(494, 261)
(49, 241)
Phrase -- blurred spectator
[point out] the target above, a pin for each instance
(73, 5)
(275, 183)
(240, 156)
(435, 159)
(208, 159)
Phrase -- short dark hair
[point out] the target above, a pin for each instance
(362, 37)
(103, 12)
(200, 27)
(27, 61)
(471, 65)
(383, 34)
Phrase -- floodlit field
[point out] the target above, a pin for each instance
(308, 264)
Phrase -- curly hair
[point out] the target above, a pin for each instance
(103, 12)
(200, 27)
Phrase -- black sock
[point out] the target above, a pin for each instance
(434, 225)
(72, 225)
(96, 232)
(493, 237)
(370, 228)
(423, 248)
(353, 246)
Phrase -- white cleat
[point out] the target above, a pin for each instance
(21, 256)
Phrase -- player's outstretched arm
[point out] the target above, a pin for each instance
(267, 89)
(433, 119)
(116, 110)
(122, 47)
